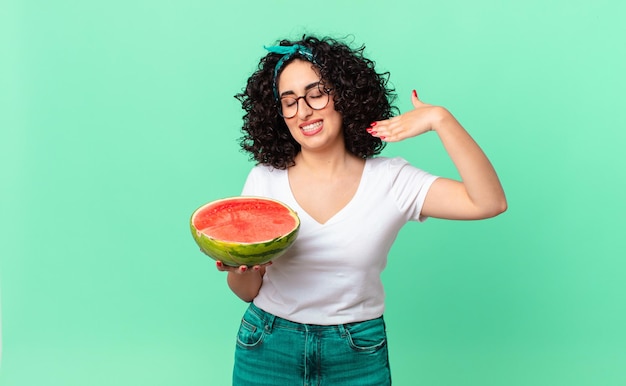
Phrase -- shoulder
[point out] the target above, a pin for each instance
(387, 164)
(406, 184)
(260, 170)
(398, 171)
(261, 179)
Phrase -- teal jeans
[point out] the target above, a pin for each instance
(272, 351)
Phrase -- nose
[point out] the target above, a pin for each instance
(304, 110)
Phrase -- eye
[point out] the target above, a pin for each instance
(288, 102)
(314, 94)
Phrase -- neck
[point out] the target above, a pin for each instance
(326, 163)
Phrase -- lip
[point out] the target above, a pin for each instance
(314, 131)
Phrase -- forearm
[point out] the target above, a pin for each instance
(246, 286)
(479, 178)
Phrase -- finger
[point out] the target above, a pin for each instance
(376, 124)
(372, 127)
(394, 132)
(220, 266)
(242, 269)
(415, 100)
(377, 129)
(387, 129)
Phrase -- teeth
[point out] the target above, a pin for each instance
(312, 126)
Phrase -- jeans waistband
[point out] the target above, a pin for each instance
(273, 321)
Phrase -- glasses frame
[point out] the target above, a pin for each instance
(324, 90)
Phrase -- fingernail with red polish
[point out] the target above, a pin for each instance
(219, 264)
(415, 93)
(373, 124)
(373, 132)
(244, 268)
(369, 129)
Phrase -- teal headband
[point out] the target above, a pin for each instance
(288, 52)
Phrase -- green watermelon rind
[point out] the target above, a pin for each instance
(249, 254)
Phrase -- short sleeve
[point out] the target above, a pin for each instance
(409, 187)
(252, 186)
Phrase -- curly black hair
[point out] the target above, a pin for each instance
(361, 95)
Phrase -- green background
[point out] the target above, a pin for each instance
(118, 119)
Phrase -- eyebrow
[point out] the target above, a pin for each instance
(307, 88)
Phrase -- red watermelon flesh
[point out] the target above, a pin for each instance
(245, 221)
(244, 230)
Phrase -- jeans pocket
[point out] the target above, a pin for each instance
(251, 332)
(369, 336)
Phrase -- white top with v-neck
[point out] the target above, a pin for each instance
(331, 274)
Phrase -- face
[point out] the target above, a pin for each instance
(312, 129)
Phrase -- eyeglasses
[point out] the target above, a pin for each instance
(316, 98)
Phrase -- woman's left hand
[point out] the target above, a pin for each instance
(479, 194)
(410, 124)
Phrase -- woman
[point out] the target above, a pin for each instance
(317, 113)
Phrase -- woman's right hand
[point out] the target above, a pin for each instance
(242, 269)
(244, 281)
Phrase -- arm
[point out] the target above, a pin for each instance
(479, 194)
(243, 281)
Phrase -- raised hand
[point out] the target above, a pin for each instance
(421, 119)
(479, 194)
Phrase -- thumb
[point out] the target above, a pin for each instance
(415, 100)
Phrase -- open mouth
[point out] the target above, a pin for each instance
(312, 128)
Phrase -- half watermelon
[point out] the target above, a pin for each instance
(244, 230)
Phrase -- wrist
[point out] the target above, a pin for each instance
(441, 119)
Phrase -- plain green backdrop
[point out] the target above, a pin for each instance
(117, 120)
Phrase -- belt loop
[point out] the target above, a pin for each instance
(342, 330)
(269, 322)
